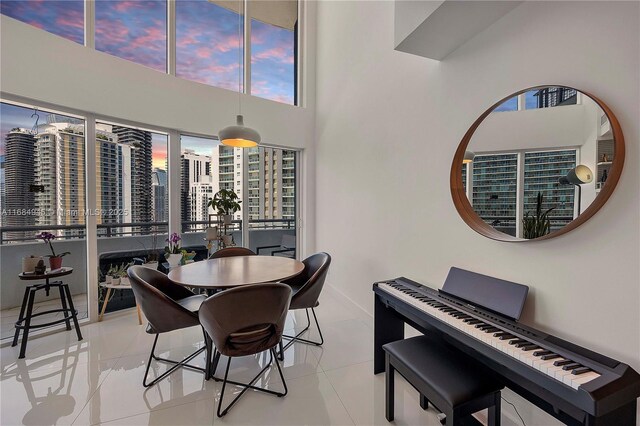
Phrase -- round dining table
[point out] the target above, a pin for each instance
(228, 272)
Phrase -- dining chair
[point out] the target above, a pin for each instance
(244, 321)
(232, 251)
(306, 288)
(167, 306)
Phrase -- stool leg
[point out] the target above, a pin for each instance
(139, 314)
(389, 389)
(493, 419)
(104, 304)
(64, 306)
(25, 299)
(450, 420)
(73, 311)
(424, 402)
(27, 324)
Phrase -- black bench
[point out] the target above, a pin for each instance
(452, 381)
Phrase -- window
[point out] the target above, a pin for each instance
(61, 17)
(541, 173)
(133, 30)
(508, 105)
(42, 175)
(131, 181)
(494, 190)
(550, 97)
(207, 43)
(273, 50)
(272, 201)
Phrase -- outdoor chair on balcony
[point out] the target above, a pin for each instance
(306, 289)
(286, 248)
(167, 306)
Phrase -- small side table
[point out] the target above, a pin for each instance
(66, 300)
(109, 288)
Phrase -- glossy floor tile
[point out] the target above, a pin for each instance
(99, 379)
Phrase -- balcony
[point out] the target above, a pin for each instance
(17, 242)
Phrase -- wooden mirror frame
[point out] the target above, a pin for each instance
(468, 214)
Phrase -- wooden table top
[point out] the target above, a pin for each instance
(228, 272)
(57, 273)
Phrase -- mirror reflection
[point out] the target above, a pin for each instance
(537, 161)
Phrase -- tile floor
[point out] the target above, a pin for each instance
(99, 380)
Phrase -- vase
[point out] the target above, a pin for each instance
(125, 281)
(29, 263)
(55, 262)
(227, 240)
(174, 259)
(115, 280)
(151, 265)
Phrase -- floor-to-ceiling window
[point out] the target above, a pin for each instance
(42, 188)
(132, 201)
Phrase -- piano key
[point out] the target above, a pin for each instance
(473, 321)
(530, 347)
(507, 337)
(581, 370)
(542, 352)
(517, 341)
(550, 356)
(570, 367)
(562, 362)
(523, 344)
(503, 333)
(491, 329)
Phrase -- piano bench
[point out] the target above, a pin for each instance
(452, 381)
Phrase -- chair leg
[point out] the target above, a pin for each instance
(176, 364)
(297, 338)
(424, 402)
(246, 386)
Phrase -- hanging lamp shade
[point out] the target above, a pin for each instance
(468, 157)
(239, 136)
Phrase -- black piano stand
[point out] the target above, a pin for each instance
(68, 310)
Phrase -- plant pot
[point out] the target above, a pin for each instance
(55, 262)
(227, 240)
(151, 265)
(115, 280)
(108, 280)
(125, 281)
(174, 259)
(226, 219)
(29, 263)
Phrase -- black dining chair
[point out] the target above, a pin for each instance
(167, 306)
(243, 321)
(232, 251)
(306, 288)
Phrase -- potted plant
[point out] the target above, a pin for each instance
(55, 260)
(226, 203)
(172, 251)
(113, 275)
(29, 263)
(538, 224)
(124, 277)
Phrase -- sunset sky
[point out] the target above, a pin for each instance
(206, 39)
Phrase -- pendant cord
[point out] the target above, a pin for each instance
(239, 57)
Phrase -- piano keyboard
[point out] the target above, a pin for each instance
(547, 362)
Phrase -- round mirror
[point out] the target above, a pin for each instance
(537, 164)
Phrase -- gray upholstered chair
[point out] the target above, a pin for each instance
(245, 321)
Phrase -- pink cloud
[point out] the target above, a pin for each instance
(124, 6)
(279, 54)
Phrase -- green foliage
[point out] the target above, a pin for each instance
(225, 202)
(538, 224)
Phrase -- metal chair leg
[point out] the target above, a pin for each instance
(297, 338)
(246, 386)
(177, 364)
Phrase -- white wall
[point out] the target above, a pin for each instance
(388, 124)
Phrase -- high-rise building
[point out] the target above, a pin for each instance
(59, 171)
(19, 200)
(197, 186)
(160, 195)
(141, 169)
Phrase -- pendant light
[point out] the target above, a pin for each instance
(239, 136)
